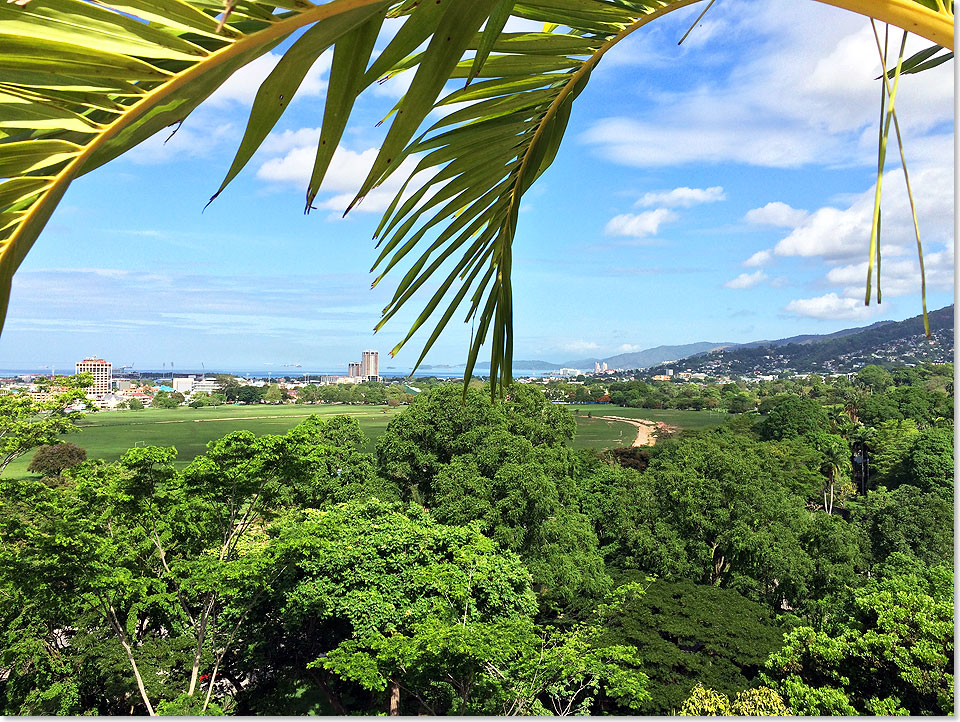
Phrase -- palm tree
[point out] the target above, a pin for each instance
(82, 82)
(835, 465)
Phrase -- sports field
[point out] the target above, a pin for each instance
(108, 434)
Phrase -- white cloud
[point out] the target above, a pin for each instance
(638, 225)
(771, 110)
(844, 233)
(831, 307)
(899, 277)
(290, 139)
(683, 197)
(776, 214)
(747, 280)
(829, 232)
(580, 346)
(629, 348)
(190, 140)
(760, 258)
(348, 169)
(241, 87)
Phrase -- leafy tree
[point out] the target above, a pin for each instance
(792, 417)
(875, 378)
(892, 655)
(167, 399)
(135, 405)
(52, 459)
(504, 465)
(738, 523)
(888, 449)
(687, 635)
(352, 578)
(909, 521)
(759, 702)
(140, 566)
(835, 467)
(738, 403)
(248, 394)
(26, 424)
(928, 464)
(273, 394)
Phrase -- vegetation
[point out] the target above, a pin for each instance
(478, 563)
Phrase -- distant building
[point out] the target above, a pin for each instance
(370, 366)
(184, 384)
(102, 372)
(354, 369)
(206, 386)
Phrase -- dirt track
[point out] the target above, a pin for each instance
(645, 429)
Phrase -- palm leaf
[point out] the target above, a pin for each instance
(82, 82)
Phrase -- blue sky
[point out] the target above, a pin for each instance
(720, 190)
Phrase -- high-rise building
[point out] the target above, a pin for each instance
(102, 372)
(353, 369)
(370, 365)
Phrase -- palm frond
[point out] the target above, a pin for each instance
(81, 83)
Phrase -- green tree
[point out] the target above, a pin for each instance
(793, 416)
(687, 634)
(273, 394)
(875, 378)
(835, 467)
(353, 577)
(928, 465)
(909, 521)
(26, 424)
(892, 655)
(52, 459)
(738, 523)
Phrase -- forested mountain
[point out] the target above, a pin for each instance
(901, 342)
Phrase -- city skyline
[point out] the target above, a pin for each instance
(722, 192)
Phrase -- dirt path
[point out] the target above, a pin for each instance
(645, 429)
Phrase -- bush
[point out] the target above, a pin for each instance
(52, 459)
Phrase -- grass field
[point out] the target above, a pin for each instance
(685, 419)
(107, 434)
(597, 433)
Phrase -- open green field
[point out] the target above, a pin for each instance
(602, 434)
(683, 418)
(107, 434)
(596, 433)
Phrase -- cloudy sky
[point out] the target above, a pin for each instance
(720, 190)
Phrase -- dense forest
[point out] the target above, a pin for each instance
(797, 560)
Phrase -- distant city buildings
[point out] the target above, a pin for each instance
(102, 372)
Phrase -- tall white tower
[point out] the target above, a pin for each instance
(102, 372)
(370, 366)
